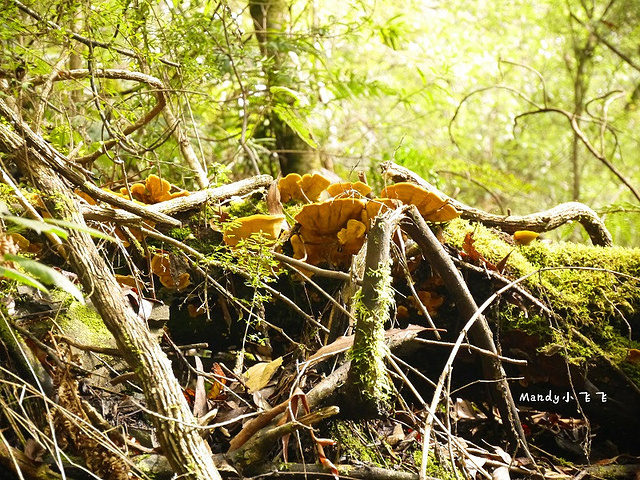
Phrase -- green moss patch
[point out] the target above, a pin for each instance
(593, 292)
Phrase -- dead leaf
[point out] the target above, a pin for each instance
(500, 473)
(274, 205)
(503, 263)
(259, 375)
(463, 409)
(34, 450)
(472, 254)
(396, 436)
(470, 249)
(219, 382)
(200, 407)
(344, 343)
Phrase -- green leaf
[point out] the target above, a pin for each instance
(47, 275)
(299, 98)
(39, 227)
(20, 277)
(81, 228)
(296, 122)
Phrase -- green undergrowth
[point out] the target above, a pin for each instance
(440, 469)
(356, 441)
(593, 292)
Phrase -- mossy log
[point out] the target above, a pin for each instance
(581, 337)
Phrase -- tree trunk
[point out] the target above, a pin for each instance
(270, 20)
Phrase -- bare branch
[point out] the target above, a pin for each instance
(537, 222)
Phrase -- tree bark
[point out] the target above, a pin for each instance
(368, 386)
(188, 454)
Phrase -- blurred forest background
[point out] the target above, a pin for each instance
(510, 106)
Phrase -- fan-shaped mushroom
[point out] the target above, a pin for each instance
(306, 188)
(336, 189)
(329, 217)
(429, 204)
(242, 228)
(351, 237)
(154, 190)
(323, 225)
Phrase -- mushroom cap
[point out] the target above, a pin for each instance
(242, 228)
(306, 188)
(376, 207)
(329, 217)
(313, 185)
(431, 300)
(312, 253)
(330, 232)
(161, 266)
(444, 214)
(154, 190)
(429, 204)
(525, 237)
(289, 188)
(336, 189)
(351, 237)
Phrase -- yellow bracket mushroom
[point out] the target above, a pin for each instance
(431, 206)
(161, 266)
(306, 188)
(349, 189)
(243, 228)
(154, 190)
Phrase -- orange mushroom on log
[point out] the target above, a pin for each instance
(325, 235)
(429, 204)
(243, 228)
(524, 237)
(305, 188)
(154, 190)
(348, 189)
(161, 266)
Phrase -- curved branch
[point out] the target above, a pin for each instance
(114, 74)
(480, 90)
(160, 92)
(537, 222)
(573, 121)
(545, 95)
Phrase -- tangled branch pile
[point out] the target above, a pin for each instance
(337, 300)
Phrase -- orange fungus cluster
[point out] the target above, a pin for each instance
(332, 224)
(154, 190)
